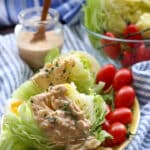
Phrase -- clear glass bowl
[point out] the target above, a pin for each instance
(122, 52)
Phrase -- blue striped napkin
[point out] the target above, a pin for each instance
(13, 71)
(10, 9)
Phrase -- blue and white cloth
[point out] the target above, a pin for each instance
(9, 9)
(13, 71)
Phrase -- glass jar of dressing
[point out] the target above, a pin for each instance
(32, 51)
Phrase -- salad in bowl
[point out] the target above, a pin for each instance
(72, 104)
(120, 30)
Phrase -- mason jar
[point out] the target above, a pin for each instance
(35, 38)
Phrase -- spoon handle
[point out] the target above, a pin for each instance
(46, 6)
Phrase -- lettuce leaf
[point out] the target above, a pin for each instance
(52, 54)
(11, 142)
(26, 90)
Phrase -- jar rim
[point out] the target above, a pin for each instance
(22, 17)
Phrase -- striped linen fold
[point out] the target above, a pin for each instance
(13, 71)
(10, 9)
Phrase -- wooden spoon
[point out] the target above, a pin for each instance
(40, 34)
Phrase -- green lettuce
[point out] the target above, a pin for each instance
(8, 141)
(26, 90)
(52, 54)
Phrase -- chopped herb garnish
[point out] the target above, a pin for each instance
(67, 79)
(46, 70)
(64, 71)
(31, 100)
(51, 84)
(45, 115)
(65, 107)
(57, 65)
(52, 119)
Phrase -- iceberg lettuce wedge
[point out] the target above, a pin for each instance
(76, 66)
(23, 129)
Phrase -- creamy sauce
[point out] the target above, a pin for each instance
(34, 52)
(61, 120)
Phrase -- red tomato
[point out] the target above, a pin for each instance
(106, 125)
(147, 51)
(125, 97)
(127, 59)
(119, 133)
(111, 48)
(140, 53)
(132, 33)
(106, 74)
(122, 77)
(123, 115)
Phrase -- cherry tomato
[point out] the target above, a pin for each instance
(106, 74)
(140, 53)
(118, 132)
(125, 97)
(127, 59)
(106, 125)
(132, 29)
(132, 32)
(122, 77)
(147, 51)
(111, 48)
(123, 115)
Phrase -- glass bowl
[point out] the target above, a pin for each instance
(122, 52)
